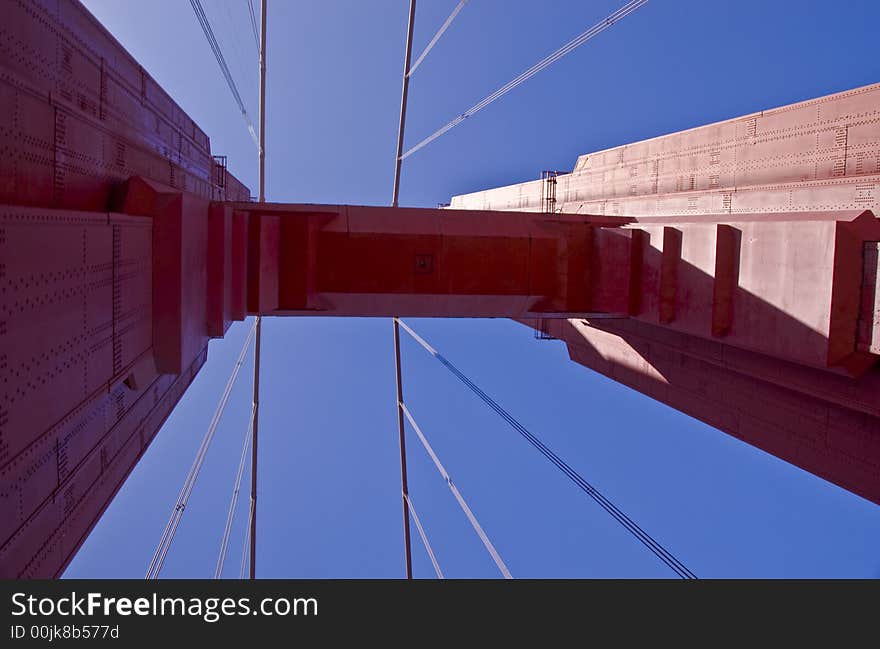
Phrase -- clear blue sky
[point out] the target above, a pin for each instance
(329, 491)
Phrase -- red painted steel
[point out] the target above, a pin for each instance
(755, 319)
(740, 286)
(81, 394)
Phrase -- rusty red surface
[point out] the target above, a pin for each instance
(728, 271)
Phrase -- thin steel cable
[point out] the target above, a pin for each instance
(404, 92)
(255, 420)
(626, 522)
(532, 71)
(235, 39)
(437, 36)
(205, 23)
(401, 442)
(245, 550)
(183, 498)
(455, 492)
(673, 563)
(253, 13)
(230, 515)
(252, 525)
(224, 68)
(428, 549)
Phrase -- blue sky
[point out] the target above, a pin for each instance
(329, 490)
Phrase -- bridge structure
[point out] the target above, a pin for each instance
(729, 271)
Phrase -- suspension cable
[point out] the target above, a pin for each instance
(245, 550)
(437, 36)
(455, 492)
(532, 71)
(252, 520)
(250, 4)
(191, 477)
(224, 69)
(425, 542)
(626, 522)
(230, 515)
(235, 39)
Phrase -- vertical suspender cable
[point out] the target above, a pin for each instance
(262, 196)
(401, 434)
(394, 198)
(403, 96)
(183, 498)
(252, 531)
